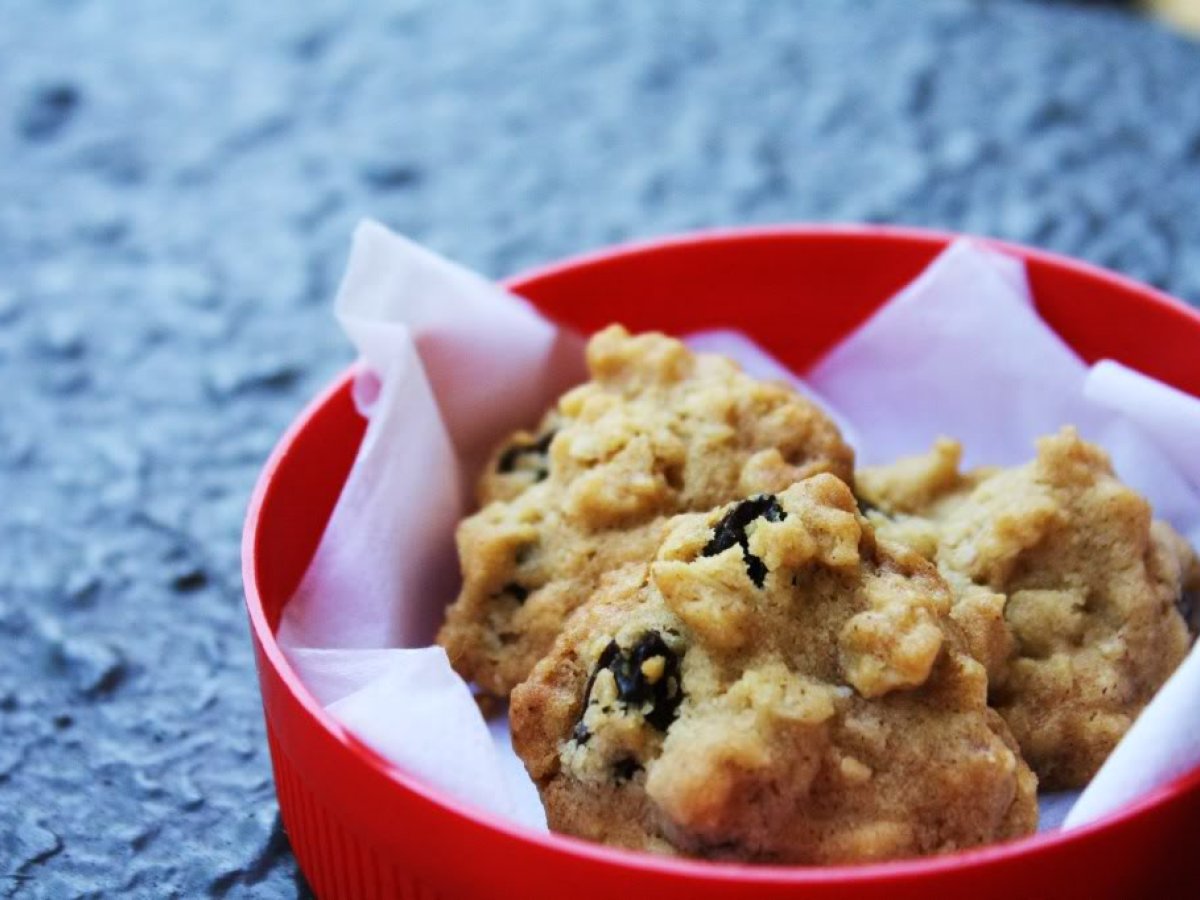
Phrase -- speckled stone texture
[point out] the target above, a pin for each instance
(178, 184)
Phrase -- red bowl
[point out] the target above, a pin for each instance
(362, 828)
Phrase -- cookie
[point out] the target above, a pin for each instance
(1069, 592)
(657, 431)
(775, 686)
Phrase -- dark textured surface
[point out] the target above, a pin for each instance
(177, 190)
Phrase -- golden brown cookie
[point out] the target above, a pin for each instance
(657, 431)
(1067, 589)
(776, 686)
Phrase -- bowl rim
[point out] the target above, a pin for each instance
(741, 873)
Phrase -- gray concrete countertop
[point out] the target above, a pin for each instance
(178, 185)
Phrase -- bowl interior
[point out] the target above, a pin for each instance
(796, 291)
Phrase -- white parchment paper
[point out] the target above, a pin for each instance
(453, 363)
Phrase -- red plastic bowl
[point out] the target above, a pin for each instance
(362, 828)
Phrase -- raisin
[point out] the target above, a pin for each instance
(515, 591)
(512, 589)
(865, 506)
(625, 768)
(756, 569)
(512, 455)
(731, 531)
(657, 698)
(580, 733)
(607, 655)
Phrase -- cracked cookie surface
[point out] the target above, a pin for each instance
(815, 706)
(657, 431)
(1068, 591)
